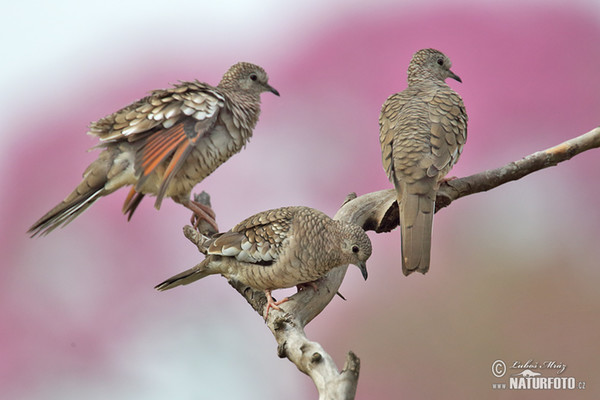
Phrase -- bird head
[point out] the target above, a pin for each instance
(430, 63)
(248, 77)
(356, 247)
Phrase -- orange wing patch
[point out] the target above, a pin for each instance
(159, 146)
(175, 143)
(177, 161)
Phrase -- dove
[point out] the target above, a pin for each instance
(422, 131)
(166, 143)
(280, 248)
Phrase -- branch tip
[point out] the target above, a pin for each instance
(191, 234)
(349, 198)
(202, 198)
(352, 363)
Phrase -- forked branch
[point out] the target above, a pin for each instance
(377, 211)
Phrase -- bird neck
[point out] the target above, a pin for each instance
(245, 107)
(424, 77)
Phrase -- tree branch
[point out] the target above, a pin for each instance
(513, 171)
(377, 211)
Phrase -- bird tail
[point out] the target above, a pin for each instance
(67, 210)
(416, 221)
(91, 188)
(186, 277)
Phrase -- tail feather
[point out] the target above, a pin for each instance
(132, 201)
(66, 211)
(186, 277)
(416, 220)
(95, 184)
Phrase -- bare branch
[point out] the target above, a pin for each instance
(377, 211)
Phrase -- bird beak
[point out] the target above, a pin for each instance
(454, 76)
(363, 269)
(271, 89)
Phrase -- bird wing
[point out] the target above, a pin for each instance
(448, 127)
(258, 239)
(160, 110)
(167, 125)
(422, 134)
(388, 125)
(448, 131)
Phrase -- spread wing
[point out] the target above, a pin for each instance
(166, 125)
(161, 110)
(259, 239)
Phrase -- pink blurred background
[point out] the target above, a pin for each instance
(514, 271)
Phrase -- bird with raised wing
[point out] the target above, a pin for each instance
(166, 143)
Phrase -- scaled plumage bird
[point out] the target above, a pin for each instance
(278, 249)
(422, 133)
(166, 143)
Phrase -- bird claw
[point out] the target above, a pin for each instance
(272, 303)
(202, 213)
(196, 219)
(447, 179)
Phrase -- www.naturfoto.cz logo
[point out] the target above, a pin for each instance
(531, 377)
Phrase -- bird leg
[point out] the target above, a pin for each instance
(272, 304)
(200, 213)
(447, 179)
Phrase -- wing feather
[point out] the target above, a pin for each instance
(258, 239)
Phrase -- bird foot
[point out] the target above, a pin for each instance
(447, 179)
(202, 213)
(272, 303)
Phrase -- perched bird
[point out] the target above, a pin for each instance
(166, 143)
(278, 249)
(422, 131)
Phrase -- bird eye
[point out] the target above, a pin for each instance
(355, 249)
(440, 61)
(253, 76)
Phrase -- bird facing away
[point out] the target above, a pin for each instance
(280, 248)
(166, 143)
(422, 131)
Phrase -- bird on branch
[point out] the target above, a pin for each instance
(280, 248)
(166, 143)
(422, 131)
